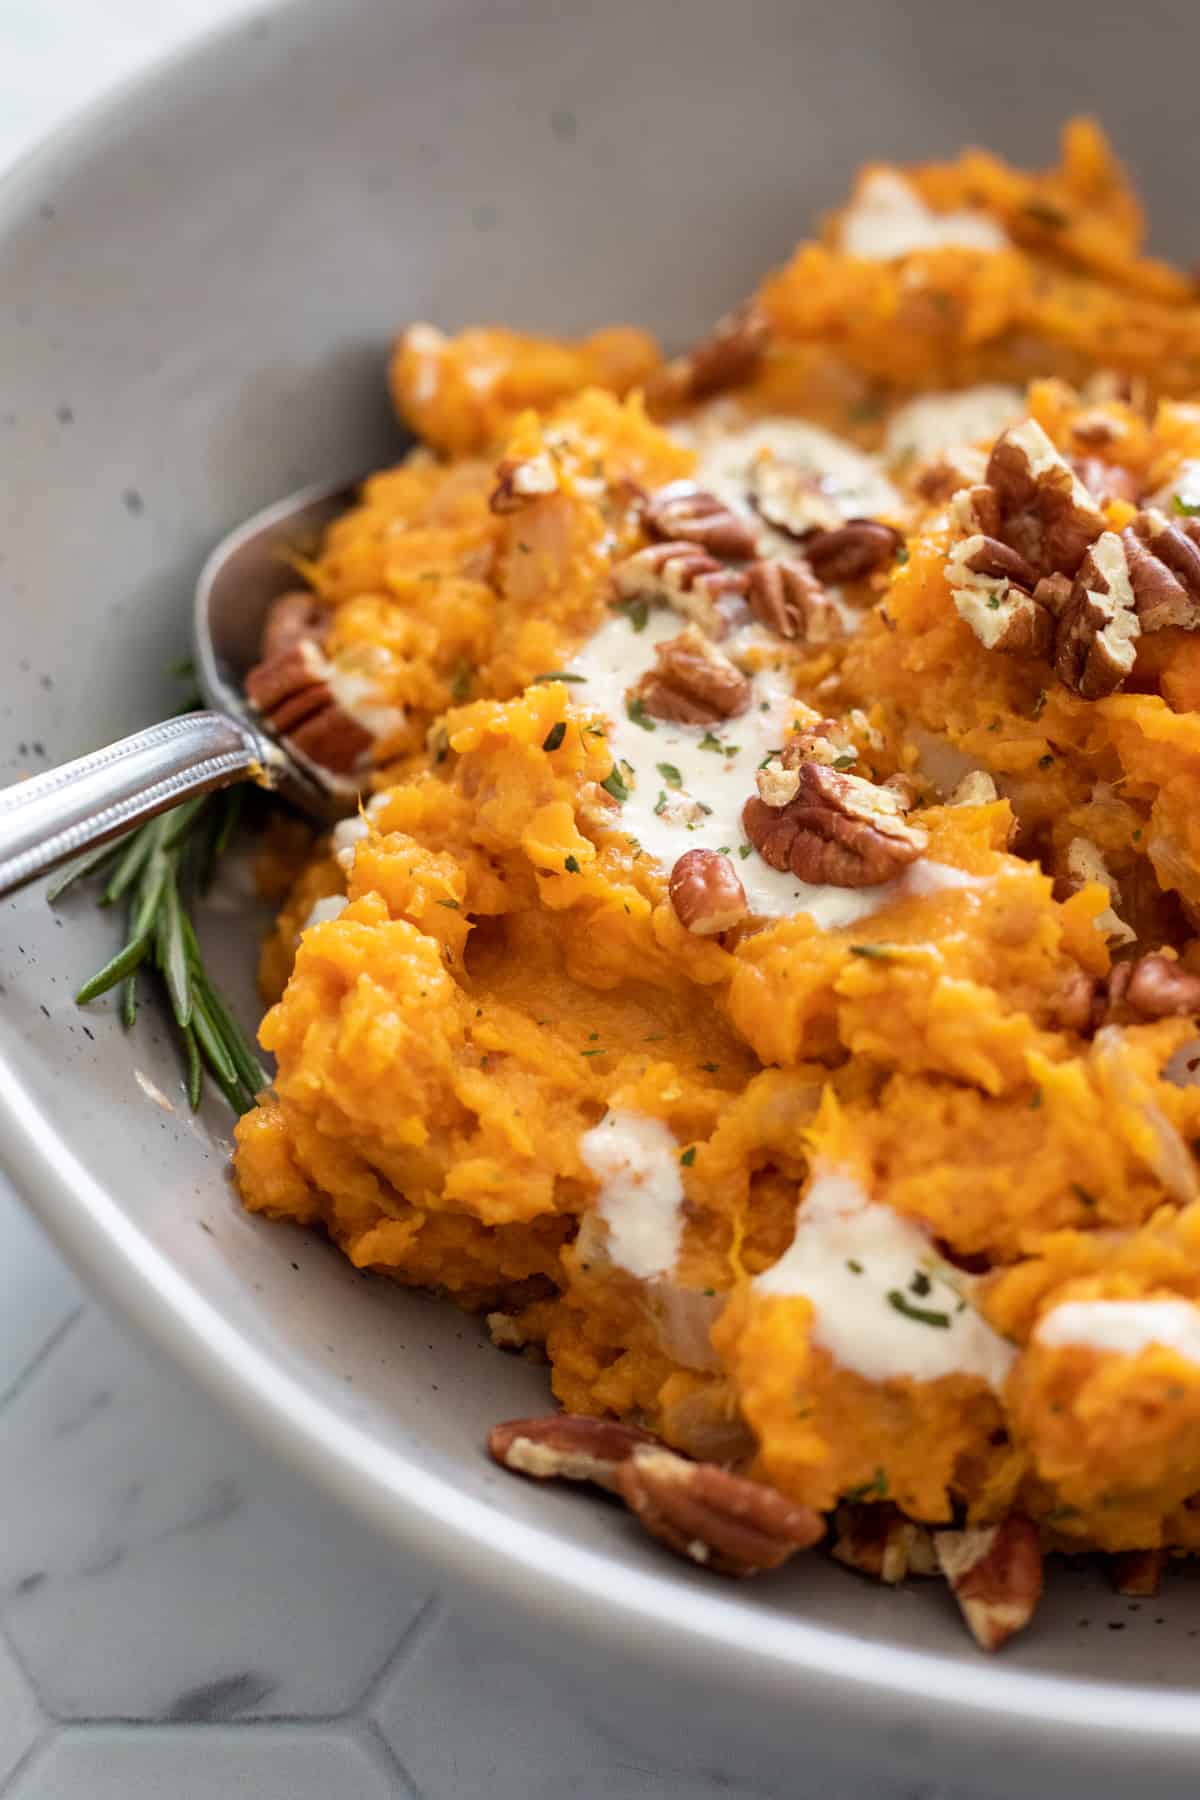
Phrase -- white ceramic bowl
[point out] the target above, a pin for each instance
(196, 287)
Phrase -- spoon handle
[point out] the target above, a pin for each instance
(63, 811)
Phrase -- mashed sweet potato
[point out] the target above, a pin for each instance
(976, 1066)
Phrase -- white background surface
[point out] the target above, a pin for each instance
(178, 1616)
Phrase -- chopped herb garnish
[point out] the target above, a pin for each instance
(637, 611)
(921, 1315)
(883, 951)
(670, 774)
(994, 602)
(451, 904)
(1137, 836)
(689, 1156)
(845, 762)
(460, 681)
(876, 1488)
(554, 737)
(1082, 1195)
(710, 1068)
(709, 742)
(1039, 705)
(1045, 762)
(557, 675)
(636, 710)
(920, 1285)
(1042, 213)
(615, 786)
(593, 1053)
(660, 805)
(902, 552)
(732, 749)
(744, 850)
(524, 549)
(866, 410)
(1036, 1101)
(571, 865)
(854, 1266)
(439, 743)
(1188, 509)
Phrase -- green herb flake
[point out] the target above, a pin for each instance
(554, 737)
(875, 1489)
(1051, 218)
(710, 1068)
(557, 675)
(637, 611)
(744, 850)
(1082, 1194)
(636, 710)
(689, 1156)
(920, 1285)
(1045, 762)
(439, 743)
(845, 762)
(920, 1315)
(1036, 1100)
(460, 681)
(593, 1053)
(882, 951)
(709, 742)
(902, 552)
(613, 785)
(670, 774)
(571, 865)
(854, 1266)
(660, 805)
(451, 905)
(1187, 509)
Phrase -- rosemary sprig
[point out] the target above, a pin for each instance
(155, 871)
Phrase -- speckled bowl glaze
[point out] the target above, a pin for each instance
(197, 283)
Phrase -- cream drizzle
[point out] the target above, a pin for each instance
(889, 219)
(866, 1271)
(636, 1161)
(1122, 1327)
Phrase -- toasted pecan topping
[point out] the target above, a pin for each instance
(776, 783)
(837, 830)
(1164, 570)
(1085, 863)
(689, 580)
(975, 789)
(792, 499)
(707, 893)
(692, 682)
(522, 480)
(566, 1446)
(722, 1521)
(1137, 1573)
(1078, 1005)
(689, 514)
(787, 598)
(945, 474)
(291, 691)
(992, 589)
(727, 358)
(851, 551)
(878, 1541)
(1045, 511)
(1096, 641)
(294, 618)
(995, 1572)
(1153, 987)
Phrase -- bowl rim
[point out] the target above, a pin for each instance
(672, 1619)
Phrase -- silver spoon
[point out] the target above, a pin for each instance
(61, 812)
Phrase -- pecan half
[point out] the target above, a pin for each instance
(1078, 1005)
(1164, 570)
(707, 893)
(1137, 1573)
(1096, 640)
(1154, 987)
(692, 682)
(787, 598)
(522, 480)
(945, 474)
(992, 588)
(792, 499)
(689, 514)
(292, 693)
(727, 358)
(690, 581)
(566, 1446)
(995, 1572)
(722, 1521)
(1045, 511)
(852, 550)
(837, 830)
(878, 1541)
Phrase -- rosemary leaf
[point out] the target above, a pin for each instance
(133, 858)
(129, 1002)
(171, 952)
(121, 965)
(216, 1055)
(195, 1069)
(90, 863)
(241, 1052)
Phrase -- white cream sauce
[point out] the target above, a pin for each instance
(851, 481)
(636, 1161)
(888, 218)
(331, 907)
(1184, 489)
(353, 691)
(1123, 1327)
(870, 1274)
(939, 422)
(675, 771)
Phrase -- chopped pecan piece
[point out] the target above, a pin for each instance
(1164, 570)
(1084, 864)
(880, 1542)
(1096, 641)
(707, 893)
(522, 480)
(566, 1446)
(1154, 987)
(992, 589)
(293, 619)
(792, 499)
(727, 358)
(944, 475)
(852, 550)
(975, 789)
(692, 682)
(722, 1521)
(1078, 1005)
(995, 1572)
(1046, 512)
(787, 598)
(837, 830)
(689, 514)
(689, 580)
(777, 784)
(291, 691)
(1137, 1573)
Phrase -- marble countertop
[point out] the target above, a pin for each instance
(178, 1614)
